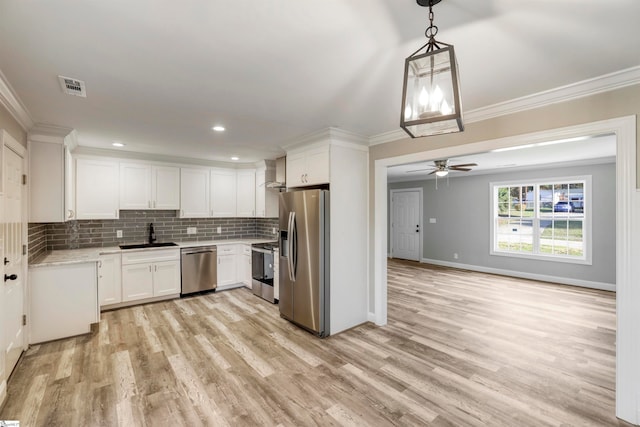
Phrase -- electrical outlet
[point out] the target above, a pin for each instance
(432, 220)
(192, 230)
(119, 234)
(455, 256)
(219, 230)
(273, 230)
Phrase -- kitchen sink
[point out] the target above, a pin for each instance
(148, 245)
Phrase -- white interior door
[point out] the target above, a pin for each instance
(13, 269)
(406, 224)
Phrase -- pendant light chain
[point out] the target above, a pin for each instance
(431, 31)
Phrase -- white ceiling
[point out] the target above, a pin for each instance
(575, 151)
(160, 73)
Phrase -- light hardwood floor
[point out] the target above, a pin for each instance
(461, 348)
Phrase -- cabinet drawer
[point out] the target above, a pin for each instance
(150, 255)
(246, 250)
(227, 249)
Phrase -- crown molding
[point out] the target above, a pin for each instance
(12, 103)
(584, 88)
(330, 134)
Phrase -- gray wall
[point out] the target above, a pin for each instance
(462, 211)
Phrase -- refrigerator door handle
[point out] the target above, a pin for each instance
(292, 249)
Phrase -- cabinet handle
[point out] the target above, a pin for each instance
(155, 268)
(149, 203)
(149, 268)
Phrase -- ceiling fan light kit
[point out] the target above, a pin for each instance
(431, 103)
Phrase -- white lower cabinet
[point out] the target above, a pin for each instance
(137, 282)
(227, 265)
(63, 301)
(110, 279)
(149, 274)
(244, 265)
(166, 278)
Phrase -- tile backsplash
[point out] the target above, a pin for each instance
(135, 229)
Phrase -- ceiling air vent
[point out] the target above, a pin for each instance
(73, 86)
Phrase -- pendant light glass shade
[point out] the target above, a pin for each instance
(431, 102)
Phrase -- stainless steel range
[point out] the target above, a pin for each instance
(262, 270)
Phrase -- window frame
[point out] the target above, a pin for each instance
(586, 258)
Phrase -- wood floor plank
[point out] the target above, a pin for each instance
(460, 349)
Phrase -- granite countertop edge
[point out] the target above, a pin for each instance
(78, 256)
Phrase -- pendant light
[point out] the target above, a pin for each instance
(430, 94)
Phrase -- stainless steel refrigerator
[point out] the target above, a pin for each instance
(304, 259)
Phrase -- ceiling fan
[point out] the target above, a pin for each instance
(442, 168)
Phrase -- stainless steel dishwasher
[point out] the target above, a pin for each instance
(199, 269)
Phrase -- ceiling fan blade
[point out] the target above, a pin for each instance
(464, 165)
(434, 172)
(419, 170)
(455, 168)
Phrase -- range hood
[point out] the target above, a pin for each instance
(281, 174)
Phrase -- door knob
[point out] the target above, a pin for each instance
(10, 277)
(6, 260)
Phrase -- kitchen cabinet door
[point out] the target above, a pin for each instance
(135, 186)
(296, 168)
(137, 281)
(69, 186)
(246, 193)
(109, 279)
(227, 270)
(244, 265)
(165, 187)
(166, 278)
(97, 189)
(223, 193)
(46, 184)
(317, 169)
(194, 193)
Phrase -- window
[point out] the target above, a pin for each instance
(547, 219)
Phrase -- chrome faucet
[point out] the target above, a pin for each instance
(152, 233)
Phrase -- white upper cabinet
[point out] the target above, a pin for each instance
(97, 189)
(309, 167)
(149, 187)
(135, 186)
(223, 192)
(165, 187)
(194, 193)
(52, 179)
(266, 198)
(246, 193)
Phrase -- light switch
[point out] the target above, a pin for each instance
(432, 220)
(219, 230)
(119, 234)
(192, 230)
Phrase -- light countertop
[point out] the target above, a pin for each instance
(75, 256)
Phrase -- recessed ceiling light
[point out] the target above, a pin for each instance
(235, 158)
(117, 144)
(218, 128)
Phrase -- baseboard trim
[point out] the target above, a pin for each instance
(522, 275)
(371, 317)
